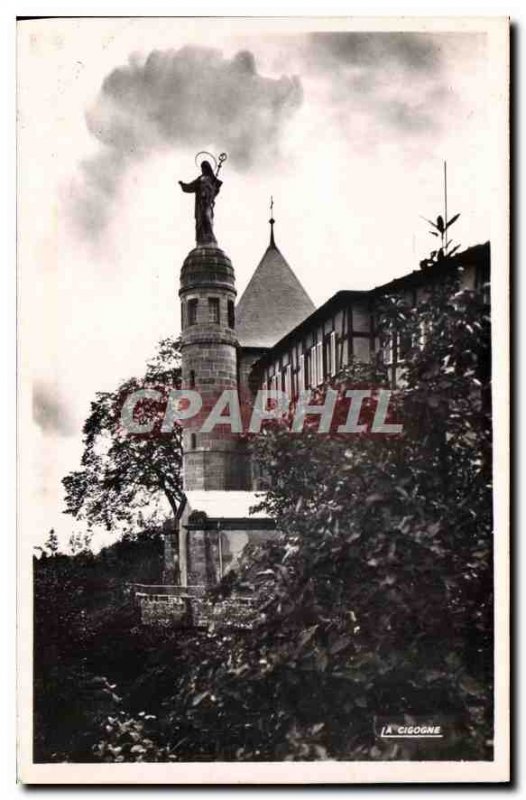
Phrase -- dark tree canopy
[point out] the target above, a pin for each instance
(121, 473)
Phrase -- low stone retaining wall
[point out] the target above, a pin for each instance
(190, 607)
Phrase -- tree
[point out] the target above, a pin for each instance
(51, 545)
(85, 628)
(79, 543)
(123, 473)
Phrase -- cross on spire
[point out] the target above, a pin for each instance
(272, 221)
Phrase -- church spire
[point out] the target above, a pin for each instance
(272, 221)
(274, 301)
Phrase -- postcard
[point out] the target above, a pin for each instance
(263, 381)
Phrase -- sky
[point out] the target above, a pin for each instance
(347, 130)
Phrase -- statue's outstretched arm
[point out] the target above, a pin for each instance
(188, 187)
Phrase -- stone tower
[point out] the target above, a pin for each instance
(216, 518)
(212, 461)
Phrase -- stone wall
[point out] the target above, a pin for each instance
(192, 608)
(225, 466)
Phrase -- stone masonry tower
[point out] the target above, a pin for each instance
(217, 517)
(212, 461)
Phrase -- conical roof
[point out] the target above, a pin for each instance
(273, 303)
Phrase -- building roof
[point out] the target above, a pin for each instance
(273, 303)
(477, 254)
(337, 300)
(226, 505)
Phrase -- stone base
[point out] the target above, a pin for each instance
(176, 606)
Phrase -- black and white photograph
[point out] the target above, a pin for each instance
(263, 382)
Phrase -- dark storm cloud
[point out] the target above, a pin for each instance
(397, 77)
(49, 413)
(187, 97)
(414, 51)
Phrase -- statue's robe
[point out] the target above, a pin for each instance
(206, 189)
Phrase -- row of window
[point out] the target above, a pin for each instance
(399, 344)
(214, 312)
(321, 361)
(324, 360)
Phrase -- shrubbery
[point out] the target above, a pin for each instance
(377, 600)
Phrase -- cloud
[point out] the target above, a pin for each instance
(395, 79)
(417, 52)
(186, 97)
(49, 412)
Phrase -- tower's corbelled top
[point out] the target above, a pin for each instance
(207, 266)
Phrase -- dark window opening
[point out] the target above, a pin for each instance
(191, 380)
(192, 312)
(193, 441)
(404, 345)
(213, 310)
(231, 315)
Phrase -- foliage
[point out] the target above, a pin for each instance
(127, 739)
(445, 251)
(85, 627)
(377, 599)
(51, 545)
(121, 474)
